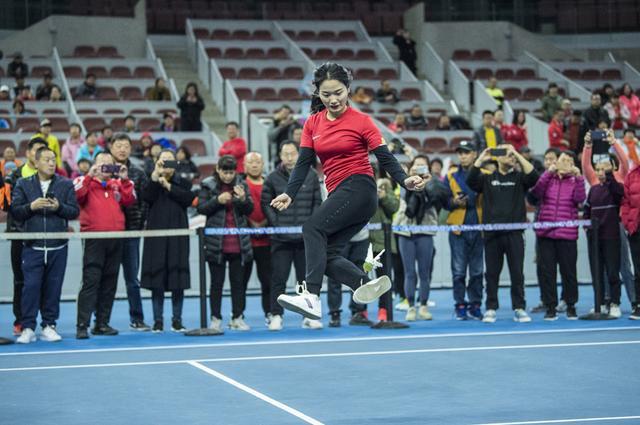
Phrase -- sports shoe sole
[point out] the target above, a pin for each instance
(371, 291)
(50, 339)
(551, 319)
(284, 303)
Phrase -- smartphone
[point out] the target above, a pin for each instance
(170, 164)
(50, 196)
(599, 141)
(498, 152)
(422, 170)
(110, 168)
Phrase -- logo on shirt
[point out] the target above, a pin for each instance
(499, 183)
(315, 137)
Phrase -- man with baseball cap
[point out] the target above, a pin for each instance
(5, 92)
(466, 247)
(52, 141)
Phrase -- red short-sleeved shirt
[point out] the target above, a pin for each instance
(342, 145)
(257, 215)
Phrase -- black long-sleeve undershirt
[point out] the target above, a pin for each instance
(387, 161)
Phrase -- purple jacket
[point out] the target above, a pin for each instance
(559, 201)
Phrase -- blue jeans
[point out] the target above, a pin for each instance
(177, 300)
(130, 268)
(43, 278)
(417, 248)
(467, 252)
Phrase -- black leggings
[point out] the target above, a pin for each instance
(343, 214)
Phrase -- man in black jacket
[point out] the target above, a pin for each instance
(287, 248)
(135, 217)
(406, 48)
(591, 118)
(45, 202)
(503, 201)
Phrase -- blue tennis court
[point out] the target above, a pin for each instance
(440, 372)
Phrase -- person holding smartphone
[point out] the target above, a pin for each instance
(503, 201)
(165, 260)
(102, 194)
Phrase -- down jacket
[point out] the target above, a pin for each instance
(560, 198)
(630, 210)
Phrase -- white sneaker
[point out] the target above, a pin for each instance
(216, 324)
(604, 309)
(431, 304)
(276, 323)
(304, 302)
(489, 316)
(521, 316)
(372, 290)
(562, 307)
(411, 315)
(311, 324)
(424, 313)
(49, 334)
(239, 324)
(27, 336)
(267, 319)
(614, 311)
(403, 305)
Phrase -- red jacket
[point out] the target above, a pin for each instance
(515, 135)
(556, 134)
(101, 203)
(237, 148)
(630, 209)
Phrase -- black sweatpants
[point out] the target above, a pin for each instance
(18, 279)
(237, 273)
(496, 246)
(551, 254)
(282, 255)
(634, 245)
(609, 258)
(100, 265)
(262, 258)
(343, 214)
(355, 252)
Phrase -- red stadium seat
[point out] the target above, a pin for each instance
(241, 35)
(120, 72)
(262, 35)
(347, 35)
(572, 74)
(201, 33)
(467, 73)
(525, 74)
(22, 148)
(52, 111)
(117, 123)
(326, 36)
(220, 34)
(107, 93)
(228, 73)
(140, 111)
(590, 74)
(344, 54)
(323, 54)
(410, 94)
(195, 146)
(434, 145)
(131, 93)
(248, 74)
(254, 53)
(365, 55)
(213, 52)
(387, 74)
(108, 111)
(483, 74)
(107, 52)
(277, 53)
(59, 124)
(98, 71)
(365, 74)
(244, 93)
(270, 74)
(84, 52)
(482, 55)
(27, 124)
(265, 93)
(611, 74)
(149, 124)
(39, 71)
(305, 35)
(532, 93)
(234, 53)
(413, 142)
(461, 54)
(144, 72)
(512, 93)
(94, 123)
(504, 74)
(293, 73)
(290, 93)
(206, 170)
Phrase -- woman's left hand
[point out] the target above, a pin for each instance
(415, 183)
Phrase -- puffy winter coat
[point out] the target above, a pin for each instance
(630, 210)
(560, 199)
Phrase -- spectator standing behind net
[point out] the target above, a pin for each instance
(386, 93)
(71, 148)
(406, 48)
(235, 145)
(560, 191)
(556, 133)
(260, 244)
(88, 88)
(465, 207)
(191, 106)
(550, 102)
(488, 135)
(17, 68)
(14, 224)
(283, 122)
(618, 112)
(628, 98)
(50, 138)
(516, 133)
(495, 92)
(224, 199)
(159, 91)
(186, 169)
(591, 118)
(165, 260)
(287, 248)
(101, 194)
(135, 216)
(45, 203)
(503, 201)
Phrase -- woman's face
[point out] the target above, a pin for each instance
(167, 156)
(146, 142)
(155, 150)
(18, 107)
(334, 96)
(180, 155)
(226, 176)
(55, 94)
(626, 89)
(521, 118)
(160, 84)
(191, 91)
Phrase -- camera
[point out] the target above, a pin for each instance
(498, 152)
(170, 164)
(110, 168)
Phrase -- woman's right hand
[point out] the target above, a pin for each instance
(281, 202)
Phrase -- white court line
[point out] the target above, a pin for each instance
(257, 394)
(318, 341)
(566, 421)
(327, 355)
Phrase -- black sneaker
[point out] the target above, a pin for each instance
(104, 330)
(82, 332)
(176, 326)
(334, 322)
(571, 313)
(158, 326)
(5, 341)
(635, 314)
(551, 315)
(539, 308)
(360, 319)
(140, 326)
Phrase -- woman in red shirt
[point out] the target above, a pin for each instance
(516, 133)
(342, 137)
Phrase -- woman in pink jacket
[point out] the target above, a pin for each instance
(631, 101)
(561, 190)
